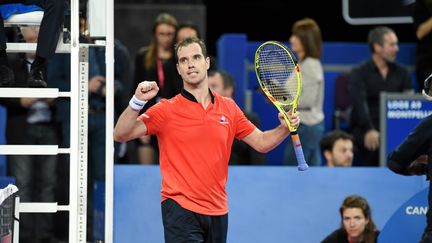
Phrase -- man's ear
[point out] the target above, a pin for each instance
(208, 62)
(328, 156)
(178, 69)
(377, 47)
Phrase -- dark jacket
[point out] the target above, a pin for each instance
(17, 114)
(418, 142)
(340, 236)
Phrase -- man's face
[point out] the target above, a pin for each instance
(192, 65)
(342, 153)
(185, 33)
(390, 47)
(216, 84)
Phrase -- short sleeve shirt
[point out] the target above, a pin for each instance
(195, 146)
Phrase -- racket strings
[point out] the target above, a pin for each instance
(278, 73)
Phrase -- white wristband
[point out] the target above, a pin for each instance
(137, 104)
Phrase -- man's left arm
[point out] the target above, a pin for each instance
(265, 141)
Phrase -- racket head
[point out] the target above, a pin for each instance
(278, 74)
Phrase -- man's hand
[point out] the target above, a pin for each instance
(95, 83)
(293, 118)
(419, 166)
(371, 140)
(27, 102)
(146, 90)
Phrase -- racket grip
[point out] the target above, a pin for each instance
(302, 165)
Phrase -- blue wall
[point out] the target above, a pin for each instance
(278, 204)
(236, 55)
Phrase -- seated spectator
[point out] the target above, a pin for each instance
(357, 225)
(241, 154)
(337, 148)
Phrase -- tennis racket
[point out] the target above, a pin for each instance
(279, 77)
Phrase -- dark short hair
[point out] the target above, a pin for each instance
(328, 141)
(189, 41)
(189, 25)
(228, 79)
(376, 36)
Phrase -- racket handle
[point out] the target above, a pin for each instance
(302, 165)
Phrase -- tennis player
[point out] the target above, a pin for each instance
(195, 130)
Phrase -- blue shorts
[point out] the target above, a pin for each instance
(182, 225)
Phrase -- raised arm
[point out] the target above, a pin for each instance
(265, 141)
(128, 126)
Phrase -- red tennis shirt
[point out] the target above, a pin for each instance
(195, 146)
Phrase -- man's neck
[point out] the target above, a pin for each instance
(379, 62)
(200, 92)
(381, 65)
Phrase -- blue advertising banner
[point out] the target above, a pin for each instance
(400, 114)
(279, 203)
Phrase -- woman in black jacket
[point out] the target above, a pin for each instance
(357, 225)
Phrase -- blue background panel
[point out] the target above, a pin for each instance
(273, 203)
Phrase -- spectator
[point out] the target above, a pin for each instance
(357, 225)
(379, 74)
(186, 30)
(306, 42)
(223, 84)
(157, 62)
(337, 148)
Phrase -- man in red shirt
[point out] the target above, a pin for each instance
(195, 131)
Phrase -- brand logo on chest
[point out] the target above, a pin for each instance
(223, 120)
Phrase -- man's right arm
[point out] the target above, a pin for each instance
(128, 126)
